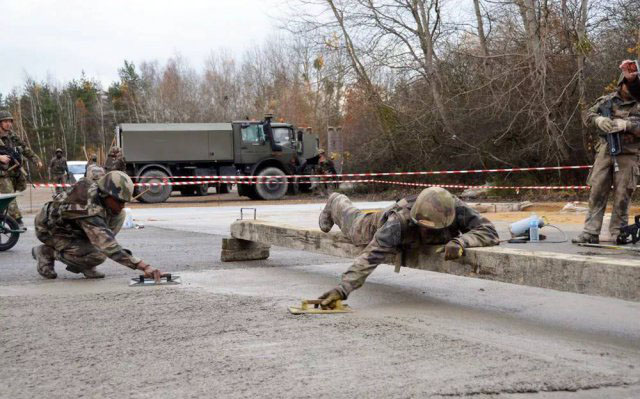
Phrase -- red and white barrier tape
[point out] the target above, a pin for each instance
(277, 181)
(378, 174)
(517, 188)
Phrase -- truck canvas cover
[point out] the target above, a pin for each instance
(145, 142)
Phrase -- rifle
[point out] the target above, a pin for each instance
(605, 246)
(16, 157)
(613, 138)
(630, 233)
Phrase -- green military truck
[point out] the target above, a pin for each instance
(161, 152)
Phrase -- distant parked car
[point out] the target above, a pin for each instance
(76, 169)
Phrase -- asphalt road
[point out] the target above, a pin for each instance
(225, 331)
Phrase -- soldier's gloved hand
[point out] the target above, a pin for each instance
(453, 250)
(329, 298)
(605, 124)
(621, 125)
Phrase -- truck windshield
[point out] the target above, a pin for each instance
(282, 136)
(253, 134)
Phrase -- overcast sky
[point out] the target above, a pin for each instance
(59, 39)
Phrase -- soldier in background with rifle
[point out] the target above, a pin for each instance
(13, 177)
(325, 166)
(617, 117)
(115, 160)
(58, 170)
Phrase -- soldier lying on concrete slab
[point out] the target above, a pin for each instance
(78, 228)
(433, 217)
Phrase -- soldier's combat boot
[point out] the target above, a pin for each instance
(44, 256)
(325, 221)
(586, 238)
(92, 273)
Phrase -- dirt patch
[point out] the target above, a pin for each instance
(552, 211)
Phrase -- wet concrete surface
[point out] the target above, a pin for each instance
(225, 331)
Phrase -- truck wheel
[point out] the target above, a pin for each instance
(247, 190)
(273, 188)
(201, 189)
(155, 193)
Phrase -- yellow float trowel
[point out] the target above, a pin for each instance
(312, 306)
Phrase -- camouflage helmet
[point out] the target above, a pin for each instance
(95, 172)
(117, 184)
(434, 208)
(58, 149)
(5, 116)
(115, 150)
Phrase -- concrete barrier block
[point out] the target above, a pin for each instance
(235, 250)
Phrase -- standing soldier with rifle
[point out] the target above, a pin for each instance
(12, 174)
(617, 117)
(59, 170)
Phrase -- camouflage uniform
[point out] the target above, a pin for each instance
(94, 172)
(115, 160)
(602, 176)
(14, 180)
(93, 160)
(58, 170)
(392, 230)
(77, 229)
(325, 167)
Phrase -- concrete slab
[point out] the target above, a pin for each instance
(617, 278)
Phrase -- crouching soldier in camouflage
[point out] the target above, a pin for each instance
(430, 218)
(617, 112)
(78, 228)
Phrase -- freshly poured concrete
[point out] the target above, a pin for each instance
(225, 332)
